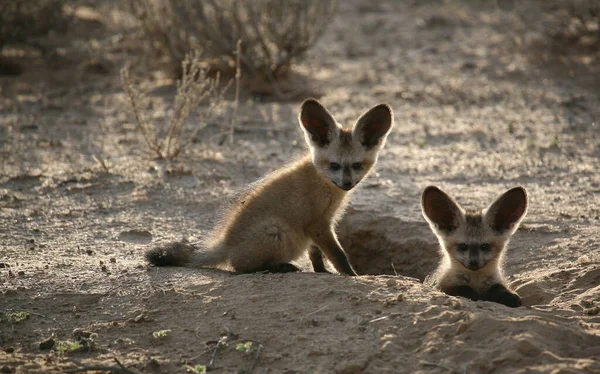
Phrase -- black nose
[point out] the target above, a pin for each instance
(347, 184)
(473, 264)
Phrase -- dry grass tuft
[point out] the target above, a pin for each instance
(167, 140)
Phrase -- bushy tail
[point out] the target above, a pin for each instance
(183, 254)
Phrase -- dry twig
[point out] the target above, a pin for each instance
(119, 368)
(428, 363)
(256, 357)
(238, 75)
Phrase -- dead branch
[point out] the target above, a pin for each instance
(256, 357)
(238, 75)
(119, 368)
(135, 96)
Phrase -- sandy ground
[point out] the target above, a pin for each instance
(483, 101)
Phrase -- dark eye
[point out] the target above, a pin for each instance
(357, 165)
(334, 166)
(462, 247)
(484, 247)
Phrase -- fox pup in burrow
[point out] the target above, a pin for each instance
(295, 208)
(473, 244)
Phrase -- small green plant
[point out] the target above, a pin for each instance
(161, 334)
(69, 346)
(247, 347)
(85, 342)
(556, 141)
(198, 369)
(17, 317)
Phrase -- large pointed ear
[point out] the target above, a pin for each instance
(317, 122)
(374, 125)
(441, 210)
(506, 212)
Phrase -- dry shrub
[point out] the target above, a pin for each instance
(273, 33)
(22, 20)
(166, 140)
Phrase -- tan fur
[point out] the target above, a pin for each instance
(297, 206)
(458, 226)
(451, 273)
(277, 221)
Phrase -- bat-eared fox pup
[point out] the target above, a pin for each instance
(473, 244)
(295, 208)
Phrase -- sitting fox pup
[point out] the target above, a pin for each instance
(473, 244)
(296, 207)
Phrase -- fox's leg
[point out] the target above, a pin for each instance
(269, 267)
(498, 293)
(462, 291)
(267, 245)
(330, 246)
(280, 268)
(251, 266)
(316, 257)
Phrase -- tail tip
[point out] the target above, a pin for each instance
(173, 254)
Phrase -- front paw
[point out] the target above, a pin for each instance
(498, 293)
(510, 299)
(462, 291)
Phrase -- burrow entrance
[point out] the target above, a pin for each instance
(374, 243)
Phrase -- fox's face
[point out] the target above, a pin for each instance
(344, 156)
(474, 239)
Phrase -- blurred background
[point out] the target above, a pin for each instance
(57, 52)
(129, 123)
